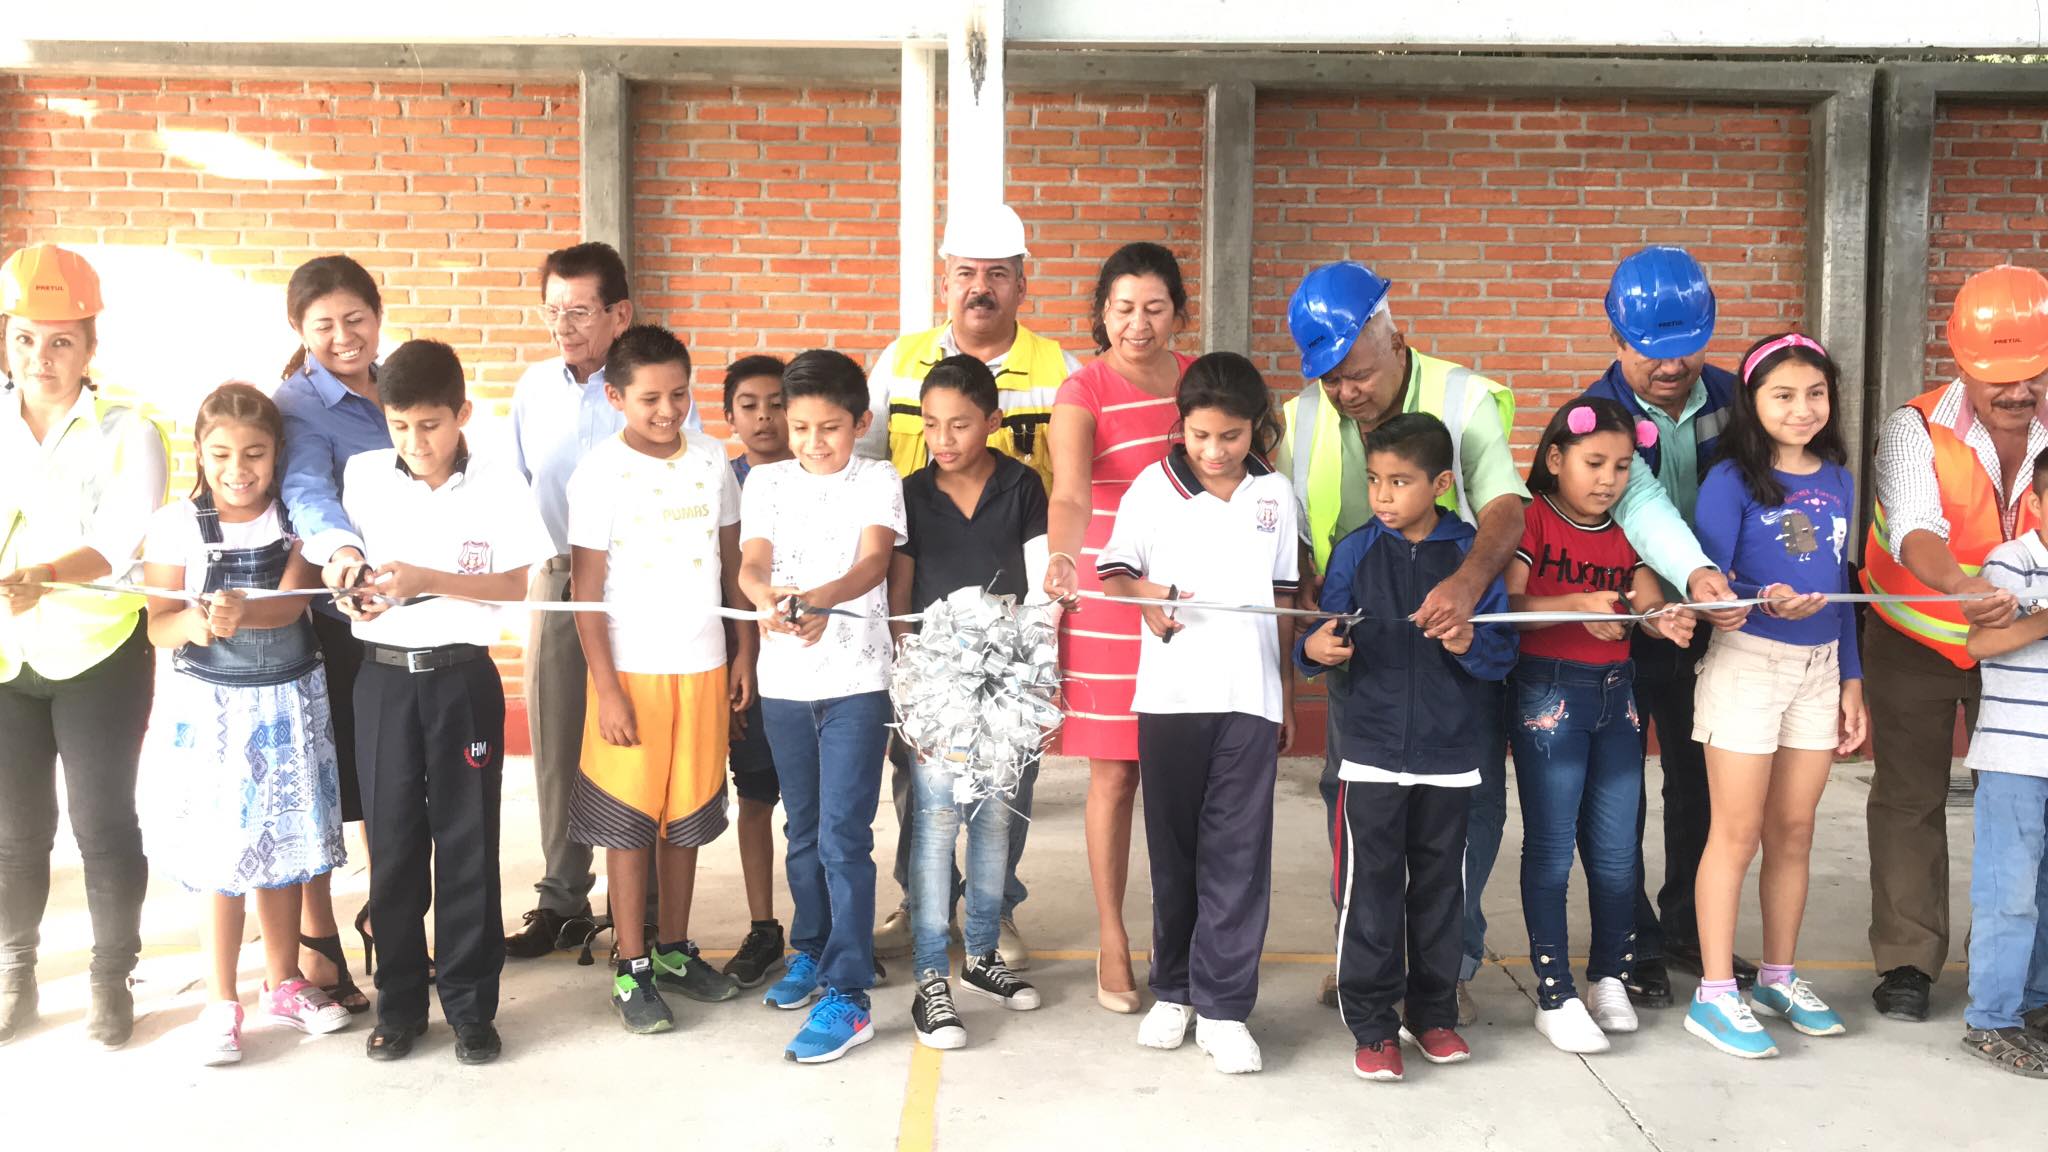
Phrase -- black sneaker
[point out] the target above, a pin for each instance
(759, 956)
(1649, 985)
(547, 932)
(1902, 993)
(989, 976)
(932, 1014)
(639, 1004)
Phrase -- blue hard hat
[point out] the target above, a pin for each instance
(1328, 312)
(1660, 303)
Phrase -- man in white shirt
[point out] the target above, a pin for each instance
(559, 412)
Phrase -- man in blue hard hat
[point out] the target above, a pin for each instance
(1361, 372)
(1661, 313)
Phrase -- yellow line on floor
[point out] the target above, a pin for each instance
(916, 1131)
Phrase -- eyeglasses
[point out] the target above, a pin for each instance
(578, 317)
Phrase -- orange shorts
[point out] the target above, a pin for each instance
(672, 784)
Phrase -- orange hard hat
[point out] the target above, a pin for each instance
(1999, 329)
(45, 282)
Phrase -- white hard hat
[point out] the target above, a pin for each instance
(984, 232)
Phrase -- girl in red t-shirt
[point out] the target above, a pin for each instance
(1577, 739)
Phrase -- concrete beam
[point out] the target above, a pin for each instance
(1227, 218)
(1905, 133)
(1838, 246)
(607, 115)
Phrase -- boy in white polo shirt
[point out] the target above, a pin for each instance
(2007, 1020)
(654, 516)
(430, 711)
(1213, 521)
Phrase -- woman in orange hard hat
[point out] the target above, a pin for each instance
(79, 478)
(1953, 467)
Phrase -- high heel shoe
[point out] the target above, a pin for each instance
(369, 941)
(1122, 1003)
(343, 991)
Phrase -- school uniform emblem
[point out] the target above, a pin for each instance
(1269, 514)
(474, 559)
(478, 754)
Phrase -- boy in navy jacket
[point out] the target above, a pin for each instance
(1416, 706)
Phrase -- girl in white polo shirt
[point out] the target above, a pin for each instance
(1211, 521)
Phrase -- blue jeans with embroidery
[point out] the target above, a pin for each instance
(1579, 771)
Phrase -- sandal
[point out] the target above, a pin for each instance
(393, 1043)
(343, 991)
(2009, 1048)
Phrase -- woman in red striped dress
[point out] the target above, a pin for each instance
(1111, 420)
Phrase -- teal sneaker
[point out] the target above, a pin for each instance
(837, 1025)
(1728, 1024)
(678, 968)
(1796, 1004)
(798, 986)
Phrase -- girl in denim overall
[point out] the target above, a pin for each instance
(1577, 739)
(245, 744)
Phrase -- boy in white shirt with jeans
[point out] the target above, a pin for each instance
(817, 533)
(430, 710)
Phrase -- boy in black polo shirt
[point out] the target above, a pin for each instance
(976, 519)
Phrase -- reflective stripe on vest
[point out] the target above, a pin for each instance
(1969, 502)
(1029, 380)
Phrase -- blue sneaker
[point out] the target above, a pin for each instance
(798, 986)
(1728, 1024)
(838, 1024)
(1798, 1006)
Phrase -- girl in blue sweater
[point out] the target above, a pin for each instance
(1779, 698)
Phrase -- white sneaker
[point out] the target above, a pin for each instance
(1010, 943)
(1612, 1010)
(217, 1034)
(1229, 1043)
(892, 937)
(1570, 1029)
(1166, 1025)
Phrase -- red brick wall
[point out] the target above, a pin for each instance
(1990, 183)
(1500, 221)
(197, 198)
(764, 219)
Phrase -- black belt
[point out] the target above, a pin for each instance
(424, 659)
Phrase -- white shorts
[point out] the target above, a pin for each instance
(1757, 695)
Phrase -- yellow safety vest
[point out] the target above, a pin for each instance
(67, 633)
(1026, 385)
(1444, 390)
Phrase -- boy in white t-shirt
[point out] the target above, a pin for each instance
(654, 530)
(816, 535)
(430, 710)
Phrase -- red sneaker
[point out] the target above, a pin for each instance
(1381, 1061)
(1439, 1045)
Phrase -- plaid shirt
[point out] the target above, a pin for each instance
(1906, 484)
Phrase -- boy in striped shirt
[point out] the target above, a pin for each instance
(2007, 1020)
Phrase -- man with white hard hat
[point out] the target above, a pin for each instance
(983, 286)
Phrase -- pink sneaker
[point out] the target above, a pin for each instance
(217, 1034)
(297, 1004)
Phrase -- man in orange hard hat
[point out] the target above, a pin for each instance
(1953, 466)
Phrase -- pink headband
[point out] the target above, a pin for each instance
(1581, 421)
(1789, 340)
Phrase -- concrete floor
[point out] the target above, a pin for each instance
(1026, 1081)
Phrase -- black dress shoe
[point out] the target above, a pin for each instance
(1684, 955)
(1902, 993)
(17, 1007)
(393, 1041)
(111, 1019)
(547, 932)
(477, 1043)
(1649, 985)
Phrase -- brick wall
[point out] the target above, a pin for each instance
(764, 219)
(195, 199)
(1989, 181)
(1500, 221)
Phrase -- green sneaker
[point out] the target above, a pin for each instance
(639, 1003)
(677, 967)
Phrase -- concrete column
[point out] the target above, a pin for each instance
(607, 159)
(975, 135)
(1838, 240)
(916, 202)
(1227, 217)
(1899, 285)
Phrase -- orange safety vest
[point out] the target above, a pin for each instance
(1969, 502)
